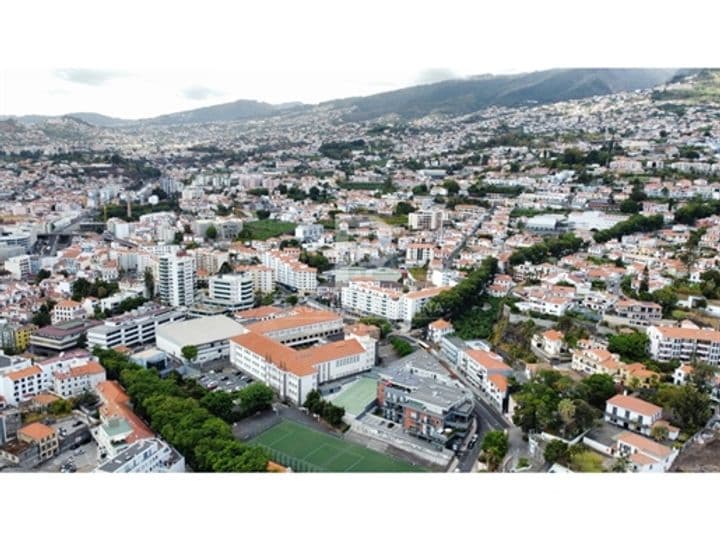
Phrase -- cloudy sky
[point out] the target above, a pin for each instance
(136, 59)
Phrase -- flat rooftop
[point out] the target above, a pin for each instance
(201, 330)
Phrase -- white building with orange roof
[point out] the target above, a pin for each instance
(551, 342)
(294, 374)
(120, 426)
(487, 371)
(687, 344)
(632, 413)
(42, 436)
(299, 325)
(595, 360)
(289, 271)
(439, 329)
(682, 374)
(67, 310)
(643, 454)
(22, 384)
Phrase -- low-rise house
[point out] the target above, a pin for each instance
(632, 413)
(551, 342)
(439, 329)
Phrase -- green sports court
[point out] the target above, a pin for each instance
(356, 397)
(305, 450)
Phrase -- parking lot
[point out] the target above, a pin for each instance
(227, 380)
(83, 459)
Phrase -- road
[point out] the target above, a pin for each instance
(461, 245)
(488, 419)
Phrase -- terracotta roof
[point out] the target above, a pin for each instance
(488, 360)
(553, 335)
(22, 373)
(634, 404)
(500, 382)
(296, 318)
(440, 324)
(69, 304)
(673, 332)
(36, 431)
(645, 445)
(424, 293)
(117, 403)
(259, 312)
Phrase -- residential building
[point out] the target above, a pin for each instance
(550, 342)
(439, 329)
(176, 279)
(231, 292)
(120, 426)
(632, 413)
(42, 436)
(638, 313)
(289, 271)
(487, 372)
(686, 344)
(67, 310)
(309, 232)
(645, 455)
(425, 220)
(19, 266)
(151, 455)
(425, 407)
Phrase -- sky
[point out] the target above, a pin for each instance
(135, 59)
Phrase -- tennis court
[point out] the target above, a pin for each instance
(305, 450)
(357, 396)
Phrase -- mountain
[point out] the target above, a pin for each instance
(453, 97)
(242, 109)
(462, 96)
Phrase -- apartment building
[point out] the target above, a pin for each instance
(487, 371)
(177, 277)
(595, 360)
(145, 456)
(425, 220)
(289, 271)
(231, 292)
(309, 232)
(43, 437)
(299, 326)
(638, 313)
(369, 297)
(632, 413)
(262, 276)
(67, 310)
(19, 266)
(551, 342)
(134, 328)
(293, 374)
(66, 375)
(417, 254)
(426, 408)
(686, 344)
(119, 425)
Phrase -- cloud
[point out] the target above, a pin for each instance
(199, 93)
(432, 75)
(91, 77)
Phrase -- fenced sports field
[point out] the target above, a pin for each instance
(305, 450)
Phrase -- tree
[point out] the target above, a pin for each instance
(690, 408)
(149, 280)
(178, 238)
(189, 352)
(401, 347)
(292, 299)
(42, 275)
(703, 376)
(494, 446)
(255, 397)
(452, 187)
(566, 410)
(631, 347)
(220, 404)
(225, 268)
(556, 451)
(599, 387)
(659, 432)
(403, 208)
(211, 233)
(262, 214)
